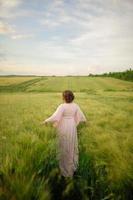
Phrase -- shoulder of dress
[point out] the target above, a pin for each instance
(76, 104)
(61, 105)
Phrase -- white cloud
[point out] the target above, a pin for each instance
(10, 31)
(77, 37)
(7, 7)
(5, 28)
(9, 3)
(22, 36)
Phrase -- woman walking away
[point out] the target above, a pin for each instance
(66, 118)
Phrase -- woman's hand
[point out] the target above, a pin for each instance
(44, 123)
(55, 124)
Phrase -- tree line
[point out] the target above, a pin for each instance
(125, 75)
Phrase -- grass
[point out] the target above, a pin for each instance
(58, 84)
(29, 169)
(4, 81)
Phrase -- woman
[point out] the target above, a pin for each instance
(66, 118)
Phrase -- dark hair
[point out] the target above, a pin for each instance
(68, 96)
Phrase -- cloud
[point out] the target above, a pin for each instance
(8, 30)
(5, 28)
(55, 15)
(3, 54)
(22, 36)
(9, 3)
(7, 7)
(68, 36)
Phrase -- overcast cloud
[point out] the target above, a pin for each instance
(65, 37)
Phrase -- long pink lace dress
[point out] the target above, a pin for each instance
(66, 118)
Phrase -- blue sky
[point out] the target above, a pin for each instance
(65, 37)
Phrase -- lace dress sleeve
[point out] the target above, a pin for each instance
(57, 115)
(79, 116)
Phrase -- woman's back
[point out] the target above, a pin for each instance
(69, 109)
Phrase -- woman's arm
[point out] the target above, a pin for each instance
(56, 116)
(79, 116)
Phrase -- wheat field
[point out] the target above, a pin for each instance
(29, 169)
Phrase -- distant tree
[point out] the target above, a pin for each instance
(125, 75)
(90, 74)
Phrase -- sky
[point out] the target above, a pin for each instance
(65, 37)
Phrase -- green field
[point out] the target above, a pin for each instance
(29, 169)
